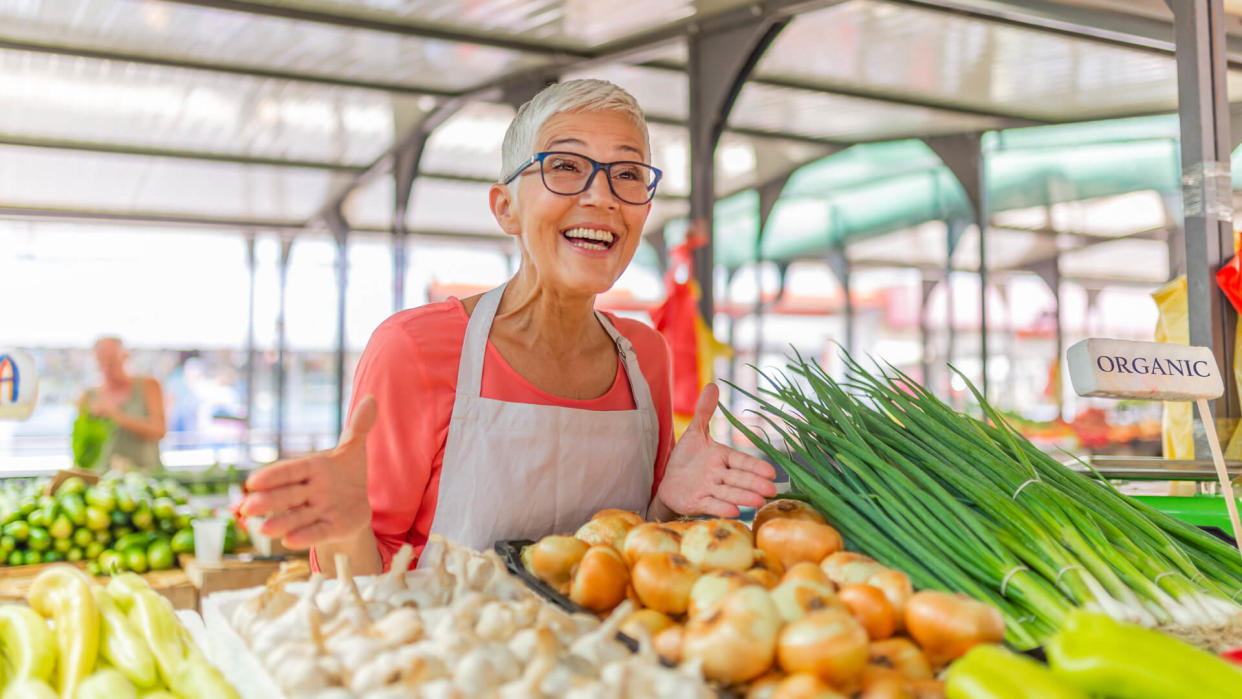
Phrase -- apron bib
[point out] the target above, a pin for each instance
(522, 471)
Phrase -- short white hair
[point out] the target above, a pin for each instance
(586, 95)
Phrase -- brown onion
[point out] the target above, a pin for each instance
(649, 537)
(891, 686)
(899, 655)
(715, 544)
(610, 530)
(804, 685)
(928, 689)
(712, 587)
(663, 581)
(786, 509)
(766, 571)
(631, 517)
(830, 644)
(947, 625)
(737, 641)
(897, 588)
(763, 686)
(680, 525)
(794, 540)
(807, 571)
(796, 598)
(645, 622)
(849, 568)
(871, 608)
(600, 580)
(667, 643)
(552, 558)
(740, 527)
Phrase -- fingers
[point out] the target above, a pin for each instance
(718, 508)
(745, 462)
(750, 482)
(264, 502)
(282, 524)
(306, 537)
(279, 474)
(737, 496)
(703, 410)
(360, 423)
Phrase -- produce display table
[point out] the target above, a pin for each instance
(172, 583)
(233, 573)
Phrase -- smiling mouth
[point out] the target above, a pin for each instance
(590, 238)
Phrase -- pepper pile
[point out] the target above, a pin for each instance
(121, 523)
(78, 640)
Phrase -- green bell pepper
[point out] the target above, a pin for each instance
(992, 672)
(1109, 658)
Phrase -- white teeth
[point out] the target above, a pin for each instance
(588, 245)
(605, 237)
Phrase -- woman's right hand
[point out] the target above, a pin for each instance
(320, 498)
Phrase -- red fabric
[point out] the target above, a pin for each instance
(410, 367)
(1229, 279)
(675, 320)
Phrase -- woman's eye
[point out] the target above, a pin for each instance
(565, 165)
(626, 173)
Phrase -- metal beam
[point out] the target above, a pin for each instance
(339, 229)
(251, 354)
(282, 346)
(1207, 192)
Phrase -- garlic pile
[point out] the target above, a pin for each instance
(461, 627)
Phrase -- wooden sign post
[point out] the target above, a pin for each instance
(1156, 371)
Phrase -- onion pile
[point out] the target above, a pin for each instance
(784, 609)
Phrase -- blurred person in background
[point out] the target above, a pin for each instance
(135, 404)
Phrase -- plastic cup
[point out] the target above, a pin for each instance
(209, 540)
(262, 544)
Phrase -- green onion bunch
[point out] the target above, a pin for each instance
(969, 505)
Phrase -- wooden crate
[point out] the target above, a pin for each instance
(173, 583)
(232, 573)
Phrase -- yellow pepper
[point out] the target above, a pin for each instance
(29, 689)
(122, 644)
(106, 683)
(153, 616)
(197, 679)
(27, 643)
(63, 594)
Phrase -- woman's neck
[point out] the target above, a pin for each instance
(537, 318)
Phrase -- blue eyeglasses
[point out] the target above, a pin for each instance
(568, 174)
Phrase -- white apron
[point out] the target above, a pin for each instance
(522, 471)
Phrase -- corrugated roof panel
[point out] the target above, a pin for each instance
(913, 51)
(659, 92)
(469, 142)
(176, 31)
(64, 97)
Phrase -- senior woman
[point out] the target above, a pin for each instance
(521, 411)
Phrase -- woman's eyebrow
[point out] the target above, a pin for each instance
(579, 142)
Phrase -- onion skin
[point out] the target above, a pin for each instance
(899, 655)
(849, 568)
(717, 544)
(740, 527)
(872, 609)
(928, 689)
(663, 582)
(804, 685)
(764, 577)
(600, 580)
(610, 530)
(645, 622)
(737, 641)
(807, 571)
(947, 625)
(631, 517)
(897, 588)
(712, 587)
(552, 558)
(830, 644)
(786, 509)
(796, 598)
(794, 541)
(649, 537)
(680, 525)
(763, 686)
(892, 686)
(668, 643)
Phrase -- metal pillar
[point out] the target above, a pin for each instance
(340, 235)
(954, 230)
(286, 247)
(719, 63)
(1207, 193)
(840, 265)
(1050, 271)
(963, 155)
(928, 286)
(251, 265)
(769, 193)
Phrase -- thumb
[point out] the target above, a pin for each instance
(360, 423)
(704, 409)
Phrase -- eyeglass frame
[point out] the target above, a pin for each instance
(596, 166)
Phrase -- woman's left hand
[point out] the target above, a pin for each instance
(706, 477)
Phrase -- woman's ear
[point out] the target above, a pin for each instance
(503, 208)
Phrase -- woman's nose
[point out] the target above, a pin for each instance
(599, 192)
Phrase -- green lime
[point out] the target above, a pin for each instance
(53, 557)
(74, 554)
(131, 540)
(111, 562)
(62, 545)
(118, 518)
(72, 484)
(8, 544)
(19, 530)
(17, 558)
(75, 507)
(143, 518)
(160, 555)
(125, 500)
(103, 498)
(104, 537)
(183, 541)
(61, 528)
(96, 518)
(93, 550)
(38, 518)
(164, 508)
(30, 558)
(136, 560)
(39, 539)
(82, 537)
(92, 567)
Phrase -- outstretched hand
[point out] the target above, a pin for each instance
(318, 498)
(706, 477)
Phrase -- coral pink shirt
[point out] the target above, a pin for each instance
(410, 367)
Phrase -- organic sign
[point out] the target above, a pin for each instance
(1143, 370)
(19, 384)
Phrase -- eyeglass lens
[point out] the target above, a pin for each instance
(565, 173)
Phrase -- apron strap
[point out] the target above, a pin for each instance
(629, 359)
(470, 368)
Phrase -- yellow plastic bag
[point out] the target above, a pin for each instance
(1173, 326)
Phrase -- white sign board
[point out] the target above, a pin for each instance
(19, 384)
(1143, 370)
